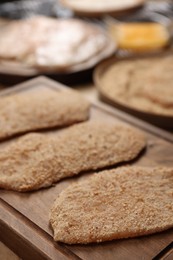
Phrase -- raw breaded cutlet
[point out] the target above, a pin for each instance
(119, 203)
(28, 111)
(38, 160)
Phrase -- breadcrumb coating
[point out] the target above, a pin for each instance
(28, 111)
(38, 160)
(119, 203)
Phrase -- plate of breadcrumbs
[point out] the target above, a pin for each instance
(141, 86)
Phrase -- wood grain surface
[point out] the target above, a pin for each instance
(24, 225)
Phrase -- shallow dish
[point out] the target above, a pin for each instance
(163, 121)
(27, 66)
(101, 7)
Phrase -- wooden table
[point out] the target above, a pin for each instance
(158, 146)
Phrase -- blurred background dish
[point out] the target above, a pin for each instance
(50, 45)
(139, 36)
(102, 7)
(140, 32)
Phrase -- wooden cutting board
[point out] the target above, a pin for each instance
(24, 225)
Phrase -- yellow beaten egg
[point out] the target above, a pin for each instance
(139, 36)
